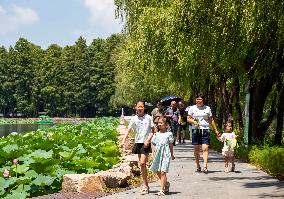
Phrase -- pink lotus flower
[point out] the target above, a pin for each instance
(15, 161)
(6, 173)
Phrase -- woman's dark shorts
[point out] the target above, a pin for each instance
(182, 127)
(200, 136)
(139, 148)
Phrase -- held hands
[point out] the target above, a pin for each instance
(217, 133)
(152, 156)
(196, 124)
(146, 143)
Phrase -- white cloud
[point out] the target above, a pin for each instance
(102, 22)
(100, 11)
(15, 17)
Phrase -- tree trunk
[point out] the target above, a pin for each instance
(227, 113)
(261, 91)
(280, 118)
(211, 99)
(237, 101)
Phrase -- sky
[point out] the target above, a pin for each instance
(62, 22)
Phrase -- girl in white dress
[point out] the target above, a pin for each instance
(162, 153)
(229, 139)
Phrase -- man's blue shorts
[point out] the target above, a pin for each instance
(200, 136)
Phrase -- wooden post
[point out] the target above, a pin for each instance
(248, 116)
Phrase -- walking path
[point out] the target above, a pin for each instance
(246, 182)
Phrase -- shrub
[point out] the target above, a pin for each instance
(270, 159)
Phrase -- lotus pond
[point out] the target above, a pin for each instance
(34, 163)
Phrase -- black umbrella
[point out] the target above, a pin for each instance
(166, 101)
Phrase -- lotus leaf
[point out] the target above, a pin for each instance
(23, 180)
(21, 169)
(61, 172)
(31, 174)
(41, 154)
(4, 183)
(65, 155)
(42, 180)
(17, 194)
(11, 147)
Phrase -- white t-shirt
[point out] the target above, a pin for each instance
(142, 126)
(202, 114)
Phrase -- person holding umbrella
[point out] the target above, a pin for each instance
(157, 113)
(200, 116)
(173, 114)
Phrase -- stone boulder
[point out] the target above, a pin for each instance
(82, 183)
(112, 179)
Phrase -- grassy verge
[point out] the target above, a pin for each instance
(268, 158)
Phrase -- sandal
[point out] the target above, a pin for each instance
(233, 168)
(205, 170)
(144, 190)
(198, 169)
(161, 193)
(167, 187)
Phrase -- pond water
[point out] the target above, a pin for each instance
(6, 129)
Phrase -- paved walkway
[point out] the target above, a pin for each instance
(246, 183)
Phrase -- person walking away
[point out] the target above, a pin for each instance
(173, 114)
(183, 123)
(230, 142)
(143, 127)
(189, 124)
(157, 113)
(162, 153)
(200, 116)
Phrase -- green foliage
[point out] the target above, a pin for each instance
(271, 159)
(75, 80)
(268, 158)
(44, 156)
(218, 47)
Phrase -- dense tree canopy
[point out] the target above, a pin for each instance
(73, 80)
(223, 48)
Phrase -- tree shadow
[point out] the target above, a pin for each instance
(259, 181)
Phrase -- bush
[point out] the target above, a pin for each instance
(270, 159)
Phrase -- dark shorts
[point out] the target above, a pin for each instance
(182, 127)
(200, 136)
(174, 129)
(138, 148)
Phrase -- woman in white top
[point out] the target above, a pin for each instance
(200, 116)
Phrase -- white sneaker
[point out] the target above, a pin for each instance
(226, 170)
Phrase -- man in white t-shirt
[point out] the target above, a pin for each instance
(200, 117)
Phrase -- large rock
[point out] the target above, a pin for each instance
(94, 182)
(82, 183)
(113, 179)
(130, 166)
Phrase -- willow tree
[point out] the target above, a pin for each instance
(215, 46)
